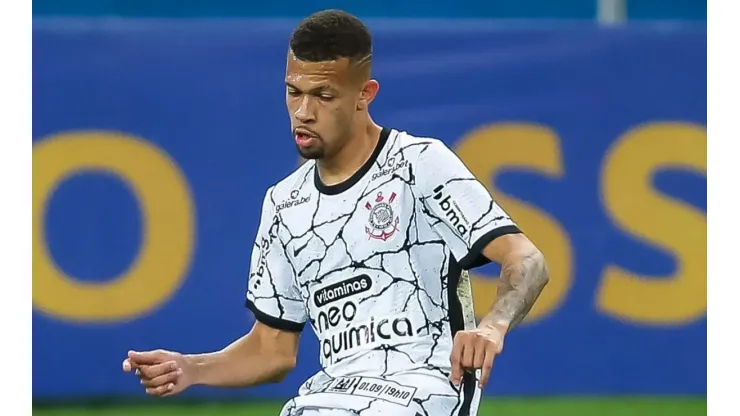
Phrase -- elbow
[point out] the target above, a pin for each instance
(283, 367)
(543, 277)
(533, 264)
(288, 364)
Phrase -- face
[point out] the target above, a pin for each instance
(324, 100)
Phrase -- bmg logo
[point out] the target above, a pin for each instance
(451, 210)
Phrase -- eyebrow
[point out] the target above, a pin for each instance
(313, 90)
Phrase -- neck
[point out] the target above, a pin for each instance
(350, 159)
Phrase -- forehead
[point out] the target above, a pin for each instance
(310, 73)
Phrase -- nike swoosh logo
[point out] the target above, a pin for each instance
(297, 251)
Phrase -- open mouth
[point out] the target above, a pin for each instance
(304, 137)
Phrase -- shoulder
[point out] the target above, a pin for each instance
(424, 155)
(418, 148)
(432, 160)
(291, 186)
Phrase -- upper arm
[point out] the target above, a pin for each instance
(276, 342)
(273, 295)
(511, 247)
(458, 206)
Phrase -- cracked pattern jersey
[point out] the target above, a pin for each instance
(377, 265)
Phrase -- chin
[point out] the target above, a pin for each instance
(310, 153)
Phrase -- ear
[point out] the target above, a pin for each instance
(367, 95)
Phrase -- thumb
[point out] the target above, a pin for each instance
(128, 365)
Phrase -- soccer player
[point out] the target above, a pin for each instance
(369, 241)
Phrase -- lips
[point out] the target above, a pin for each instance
(304, 137)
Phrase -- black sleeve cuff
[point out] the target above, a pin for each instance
(273, 322)
(475, 257)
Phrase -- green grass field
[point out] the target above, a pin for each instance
(497, 407)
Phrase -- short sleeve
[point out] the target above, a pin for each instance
(272, 293)
(458, 206)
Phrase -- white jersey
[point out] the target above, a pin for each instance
(376, 265)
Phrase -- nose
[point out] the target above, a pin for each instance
(305, 113)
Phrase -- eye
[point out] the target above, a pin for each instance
(293, 93)
(326, 97)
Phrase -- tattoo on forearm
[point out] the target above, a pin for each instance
(520, 284)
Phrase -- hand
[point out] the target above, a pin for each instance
(162, 373)
(475, 349)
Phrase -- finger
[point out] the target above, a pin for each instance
(162, 380)
(468, 355)
(486, 369)
(128, 365)
(147, 357)
(153, 371)
(161, 390)
(455, 361)
(479, 355)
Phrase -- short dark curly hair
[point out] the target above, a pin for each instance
(331, 34)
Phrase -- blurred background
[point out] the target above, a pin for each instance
(158, 125)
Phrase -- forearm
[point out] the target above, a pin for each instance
(522, 279)
(244, 363)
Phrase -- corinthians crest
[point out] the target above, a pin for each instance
(382, 222)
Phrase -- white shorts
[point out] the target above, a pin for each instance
(323, 412)
(396, 395)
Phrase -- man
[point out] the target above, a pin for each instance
(368, 241)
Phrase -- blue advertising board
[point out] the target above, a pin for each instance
(500, 9)
(154, 142)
